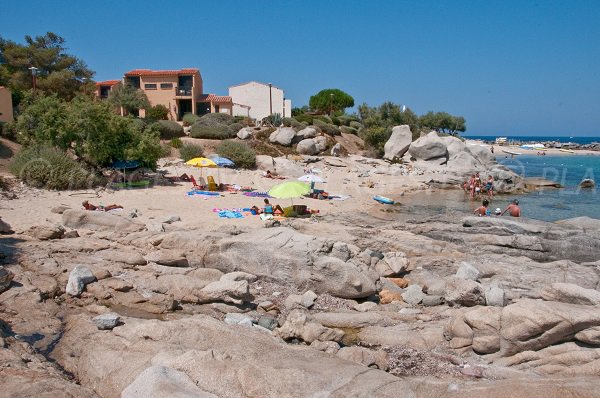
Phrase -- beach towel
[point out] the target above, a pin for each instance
(257, 194)
(205, 193)
(230, 214)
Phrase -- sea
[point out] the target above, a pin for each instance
(547, 204)
(531, 138)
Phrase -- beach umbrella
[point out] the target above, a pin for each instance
(289, 190)
(202, 163)
(125, 165)
(221, 161)
(312, 178)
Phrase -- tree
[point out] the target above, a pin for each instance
(57, 72)
(443, 122)
(330, 100)
(157, 112)
(128, 97)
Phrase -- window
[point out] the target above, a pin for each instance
(166, 86)
(150, 86)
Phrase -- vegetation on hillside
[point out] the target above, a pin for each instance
(331, 100)
(239, 152)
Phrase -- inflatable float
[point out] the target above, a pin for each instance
(383, 199)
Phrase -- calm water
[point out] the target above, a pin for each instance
(527, 138)
(549, 204)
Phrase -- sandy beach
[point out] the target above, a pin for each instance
(499, 150)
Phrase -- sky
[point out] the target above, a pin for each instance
(509, 67)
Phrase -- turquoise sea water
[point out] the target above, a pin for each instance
(548, 204)
(551, 204)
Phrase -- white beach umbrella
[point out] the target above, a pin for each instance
(311, 178)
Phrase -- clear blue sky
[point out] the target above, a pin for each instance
(509, 67)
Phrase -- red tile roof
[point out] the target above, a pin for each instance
(108, 83)
(214, 98)
(148, 72)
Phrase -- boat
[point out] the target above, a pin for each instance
(383, 199)
(510, 153)
(567, 150)
(501, 140)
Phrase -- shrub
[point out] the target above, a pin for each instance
(51, 168)
(218, 132)
(169, 129)
(304, 118)
(190, 151)
(165, 150)
(355, 124)
(324, 118)
(241, 154)
(376, 138)
(235, 127)
(217, 118)
(327, 128)
(246, 121)
(176, 143)
(189, 119)
(348, 130)
(157, 112)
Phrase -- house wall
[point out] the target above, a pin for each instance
(287, 108)
(6, 106)
(256, 95)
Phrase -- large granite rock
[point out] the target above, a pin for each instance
(398, 143)
(6, 277)
(99, 221)
(571, 293)
(245, 133)
(428, 147)
(283, 255)
(283, 136)
(454, 145)
(308, 132)
(79, 277)
(307, 147)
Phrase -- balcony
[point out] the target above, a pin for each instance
(183, 91)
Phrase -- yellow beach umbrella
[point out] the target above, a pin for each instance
(202, 163)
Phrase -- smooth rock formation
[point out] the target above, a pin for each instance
(467, 271)
(428, 147)
(245, 133)
(161, 381)
(307, 132)
(107, 321)
(46, 232)
(6, 277)
(571, 293)
(364, 356)
(398, 143)
(464, 292)
(99, 221)
(307, 147)
(283, 136)
(413, 295)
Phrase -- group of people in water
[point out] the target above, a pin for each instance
(475, 187)
(512, 209)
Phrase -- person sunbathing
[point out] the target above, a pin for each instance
(88, 206)
(268, 174)
(268, 209)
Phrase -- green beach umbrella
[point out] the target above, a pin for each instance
(289, 190)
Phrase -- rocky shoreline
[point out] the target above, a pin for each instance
(359, 306)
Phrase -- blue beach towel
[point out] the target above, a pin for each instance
(230, 214)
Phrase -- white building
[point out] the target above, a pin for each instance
(259, 100)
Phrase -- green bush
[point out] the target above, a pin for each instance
(169, 129)
(157, 112)
(327, 128)
(165, 150)
(291, 122)
(376, 137)
(324, 118)
(176, 143)
(235, 127)
(304, 118)
(246, 121)
(348, 130)
(51, 168)
(218, 132)
(356, 125)
(189, 119)
(217, 118)
(241, 154)
(190, 151)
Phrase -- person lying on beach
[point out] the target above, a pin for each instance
(88, 206)
(268, 208)
(513, 209)
(268, 174)
(482, 210)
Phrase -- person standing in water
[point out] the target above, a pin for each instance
(482, 210)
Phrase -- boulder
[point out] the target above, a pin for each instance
(464, 292)
(46, 232)
(366, 306)
(387, 296)
(330, 347)
(336, 150)
(307, 147)
(364, 356)
(296, 326)
(4, 227)
(239, 276)
(99, 221)
(234, 318)
(589, 336)
(463, 162)
(454, 145)
(431, 301)
(428, 147)
(571, 293)
(245, 133)
(235, 292)
(468, 271)
(495, 296)
(413, 295)
(78, 278)
(483, 154)
(6, 277)
(268, 321)
(320, 143)
(107, 321)
(307, 132)
(283, 136)
(402, 283)
(265, 162)
(398, 143)
(393, 263)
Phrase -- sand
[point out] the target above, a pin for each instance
(522, 151)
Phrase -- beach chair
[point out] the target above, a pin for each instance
(212, 186)
(195, 184)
